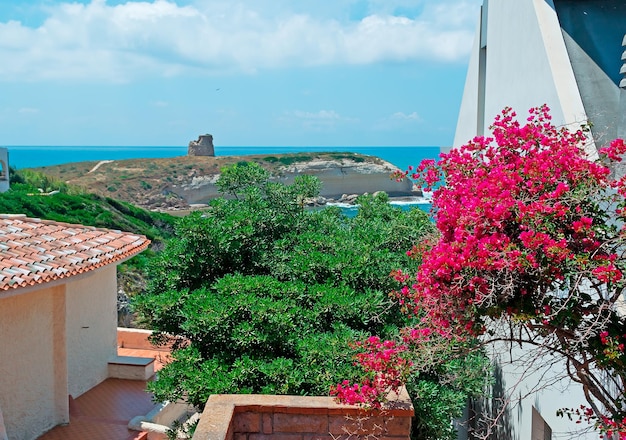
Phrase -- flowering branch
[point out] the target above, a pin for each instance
(530, 233)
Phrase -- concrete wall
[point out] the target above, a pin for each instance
(519, 60)
(526, 392)
(91, 328)
(3, 430)
(33, 368)
(593, 32)
(522, 58)
(621, 131)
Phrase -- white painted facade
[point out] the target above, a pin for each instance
(535, 388)
(519, 60)
(55, 342)
(91, 328)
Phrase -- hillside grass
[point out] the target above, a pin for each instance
(152, 182)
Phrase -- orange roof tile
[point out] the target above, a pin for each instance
(34, 251)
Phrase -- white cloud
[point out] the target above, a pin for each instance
(398, 121)
(135, 39)
(400, 116)
(28, 110)
(322, 115)
(321, 120)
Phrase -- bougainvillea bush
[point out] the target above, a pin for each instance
(530, 249)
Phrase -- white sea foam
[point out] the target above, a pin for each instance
(412, 201)
(404, 201)
(342, 205)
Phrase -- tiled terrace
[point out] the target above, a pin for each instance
(103, 412)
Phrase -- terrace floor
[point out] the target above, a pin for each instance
(103, 412)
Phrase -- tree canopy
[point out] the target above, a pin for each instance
(267, 297)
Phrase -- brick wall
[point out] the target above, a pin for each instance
(261, 417)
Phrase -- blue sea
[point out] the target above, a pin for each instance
(41, 156)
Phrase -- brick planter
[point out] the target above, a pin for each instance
(260, 417)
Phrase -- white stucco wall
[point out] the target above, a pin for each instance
(466, 127)
(91, 328)
(526, 66)
(541, 383)
(3, 430)
(33, 370)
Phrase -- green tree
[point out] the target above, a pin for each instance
(267, 295)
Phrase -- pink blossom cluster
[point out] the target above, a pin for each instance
(520, 203)
(385, 367)
(608, 427)
(612, 427)
(518, 214)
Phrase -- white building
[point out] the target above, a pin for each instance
(58, 317)
(568, 54)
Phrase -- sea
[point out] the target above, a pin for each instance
(41, 156)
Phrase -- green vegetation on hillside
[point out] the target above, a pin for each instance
(37, 195)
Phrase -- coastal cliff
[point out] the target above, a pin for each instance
(182, 182)
(338, 176)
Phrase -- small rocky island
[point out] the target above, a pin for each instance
(185, 182)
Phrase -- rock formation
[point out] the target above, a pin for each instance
(346, 176)
(338, 177)
(201, 147)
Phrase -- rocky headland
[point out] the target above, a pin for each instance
(188, 182)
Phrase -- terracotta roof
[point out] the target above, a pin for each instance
(34, 251)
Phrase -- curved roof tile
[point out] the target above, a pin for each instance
(34, 251)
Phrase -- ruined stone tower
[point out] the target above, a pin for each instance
(202, 147)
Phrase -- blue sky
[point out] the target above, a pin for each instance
(251, 72)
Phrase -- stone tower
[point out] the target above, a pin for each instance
(202, 147)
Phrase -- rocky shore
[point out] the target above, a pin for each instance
(342, 181)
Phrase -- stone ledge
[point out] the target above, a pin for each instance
(250, 416)
(131, 367)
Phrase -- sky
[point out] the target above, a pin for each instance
(250, 72)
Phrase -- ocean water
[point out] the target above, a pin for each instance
(40, 156)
